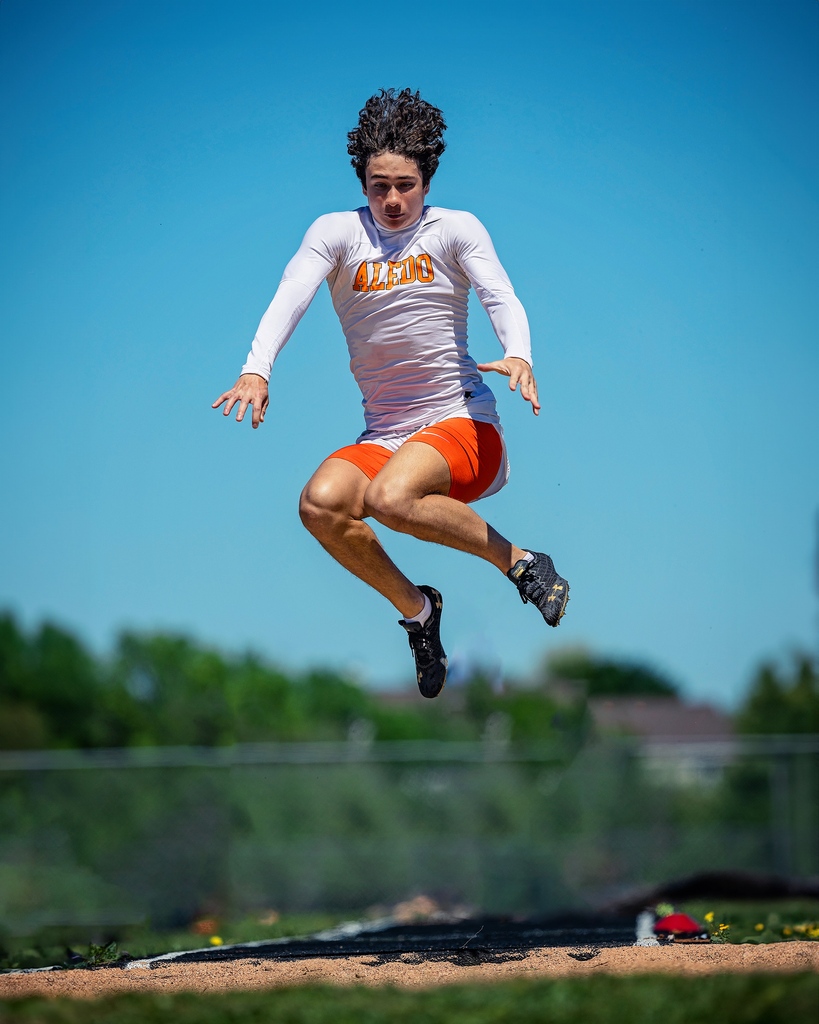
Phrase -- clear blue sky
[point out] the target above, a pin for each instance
(648, 171)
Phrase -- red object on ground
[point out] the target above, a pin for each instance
(679, 925)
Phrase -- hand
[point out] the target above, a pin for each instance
(519, 372)
(249, 390)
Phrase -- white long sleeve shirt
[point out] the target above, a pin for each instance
(401, 297)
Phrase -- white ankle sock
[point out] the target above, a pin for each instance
(424, 614)
(528, 556)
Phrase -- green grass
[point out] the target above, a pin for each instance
(729, 999)
(48, 947)
(780, 920)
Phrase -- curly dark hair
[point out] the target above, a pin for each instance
(398, 123)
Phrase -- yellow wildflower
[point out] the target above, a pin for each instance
(787, 930)
(709, 917)
(215, 940)
(814, 932)
(724, 927)
(759, 927)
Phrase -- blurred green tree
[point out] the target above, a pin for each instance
(263, 702)
(606, 677)
(22, 726)
(169, 690)
(50, 690)
(783, 700)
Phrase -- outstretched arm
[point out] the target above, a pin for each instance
(302, 277)
(480, 262)
(519, 372)
(249, 390)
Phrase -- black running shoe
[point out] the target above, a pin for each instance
(425, 641)
(538, 582)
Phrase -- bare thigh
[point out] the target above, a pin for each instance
(337, 486)
(411, 495)
(333, 509)
(416, 470)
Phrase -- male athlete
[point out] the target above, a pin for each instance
(399, 274)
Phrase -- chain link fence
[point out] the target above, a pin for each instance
(116, 837)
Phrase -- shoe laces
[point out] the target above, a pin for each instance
(534, 587)
(420, 640)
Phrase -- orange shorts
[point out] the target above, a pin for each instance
(474, 452)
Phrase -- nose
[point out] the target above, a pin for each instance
(393, 197)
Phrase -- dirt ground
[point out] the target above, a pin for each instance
(410, 970)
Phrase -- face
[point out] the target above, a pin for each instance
(394, 190)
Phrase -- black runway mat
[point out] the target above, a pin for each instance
(483, 940)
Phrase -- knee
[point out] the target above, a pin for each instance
(319, 508)
(387, 503)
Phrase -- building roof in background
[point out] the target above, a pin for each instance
(659, 718)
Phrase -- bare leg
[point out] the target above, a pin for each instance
(332, 509)
(410, 495)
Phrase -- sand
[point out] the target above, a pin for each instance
(410, 971)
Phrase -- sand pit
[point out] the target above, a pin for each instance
(412, 970)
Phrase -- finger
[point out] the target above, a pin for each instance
(528, 389)
(222, 398)
(496, 367)
(232, 399)
(240, 415)
(265, 404)
(534, 399)
(257, 415)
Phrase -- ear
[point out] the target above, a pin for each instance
(426, 189)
